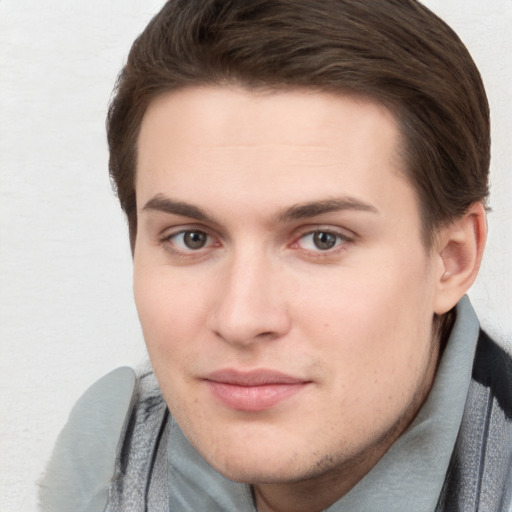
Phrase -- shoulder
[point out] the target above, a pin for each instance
(480, 468)
(492, 369)
(82, 464)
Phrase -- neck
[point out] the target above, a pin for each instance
(317, 492)
(313, 495)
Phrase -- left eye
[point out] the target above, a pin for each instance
(321, 240)
(190, 240)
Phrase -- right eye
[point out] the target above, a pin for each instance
(188, 240)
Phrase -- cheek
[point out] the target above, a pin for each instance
(375, 325)
(169, 309)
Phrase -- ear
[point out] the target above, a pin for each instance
(460, 247)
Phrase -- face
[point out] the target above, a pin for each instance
(285, 294)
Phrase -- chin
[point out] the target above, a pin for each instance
(248, 461)
(266, 465)
(252, 472)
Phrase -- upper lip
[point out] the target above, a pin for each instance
(260, 377)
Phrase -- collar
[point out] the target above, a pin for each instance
(412, 470)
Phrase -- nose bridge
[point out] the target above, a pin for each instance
(249, 305)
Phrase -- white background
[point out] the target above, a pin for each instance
(66, 309)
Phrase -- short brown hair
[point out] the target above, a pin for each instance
(395, 51)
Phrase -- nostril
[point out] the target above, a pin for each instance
(237, 338)
(268, 334)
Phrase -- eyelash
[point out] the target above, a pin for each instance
(169, 245)
(341, 240)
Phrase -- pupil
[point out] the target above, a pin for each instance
(195, 239)
(324, 240)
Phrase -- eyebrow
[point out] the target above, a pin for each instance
(161, 203)
(314, 208)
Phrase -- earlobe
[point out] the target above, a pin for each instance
(460, 246)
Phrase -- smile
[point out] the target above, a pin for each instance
(254, 391)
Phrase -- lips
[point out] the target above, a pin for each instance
(253, 391)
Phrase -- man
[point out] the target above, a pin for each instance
(305, 187)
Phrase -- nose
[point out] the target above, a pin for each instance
(249, 306)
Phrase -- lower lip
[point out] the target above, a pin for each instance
(253, 398)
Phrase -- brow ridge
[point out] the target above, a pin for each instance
(315, 208)
(298, 211)
(161, 203)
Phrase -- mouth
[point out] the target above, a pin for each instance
(254, 391)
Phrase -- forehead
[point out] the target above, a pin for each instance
(273, 147)
(228, 114)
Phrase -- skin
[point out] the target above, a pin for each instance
(228, 168)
